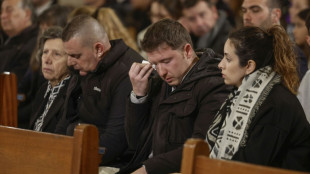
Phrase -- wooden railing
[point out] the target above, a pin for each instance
(8, 99)
(29, 152)
(196, 160)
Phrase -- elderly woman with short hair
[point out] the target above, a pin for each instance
(49, 100)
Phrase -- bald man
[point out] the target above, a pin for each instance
(98, 90)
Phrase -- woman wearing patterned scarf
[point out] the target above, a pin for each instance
(50, 98)
(262, 121)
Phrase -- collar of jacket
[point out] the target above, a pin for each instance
(118, 47)
(206, 66)
(26, 34)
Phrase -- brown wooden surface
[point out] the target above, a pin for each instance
(30, 152)
(196, 161)
(8, 99)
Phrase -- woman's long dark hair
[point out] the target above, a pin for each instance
(271, 47)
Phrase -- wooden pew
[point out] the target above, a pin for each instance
(196, 161)
(8, 99)
(30, 152)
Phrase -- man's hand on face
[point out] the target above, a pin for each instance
(139, 74)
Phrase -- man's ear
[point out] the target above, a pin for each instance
(214, 11)
(308, 39)
(250, 67)
(28, 13)
(188, 51)
(98, 50)
(276, 15)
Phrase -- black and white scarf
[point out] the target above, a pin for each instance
(229, 129)
(53, 92)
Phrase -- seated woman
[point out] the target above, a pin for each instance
(261, 122)
(300, 32)
(49, 99)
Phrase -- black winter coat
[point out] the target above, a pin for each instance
(99, 98)
(53, 116)
(162, 124)
(15, 54)
(279, 134)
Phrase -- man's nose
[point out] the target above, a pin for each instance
(199, 21)
(246, 16)
(161, 70)
(70, 61)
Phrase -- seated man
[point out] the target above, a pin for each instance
(265, 14)
(98, 94)
(163, 112)
(209, 27)
(17, 23)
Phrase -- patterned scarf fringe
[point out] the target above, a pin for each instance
(233, 101)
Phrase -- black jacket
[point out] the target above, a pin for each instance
(162, 124)
(15, 54)
(279, 134)
(53, 116)
(99, 98)
(216, 38)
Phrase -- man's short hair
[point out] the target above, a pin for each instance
(28, 4)
(191, 3)
(167, 31)
(276, 3)
(87, 28)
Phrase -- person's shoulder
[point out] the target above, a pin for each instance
(208, 60)
(283, 101)
(281, 93)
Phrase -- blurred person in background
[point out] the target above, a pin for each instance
(265, 14)
(41, 5)
(161, 9)
(121, 7)
(301, 33)
(138, 18)
(295, 7)
(18, 23)
(304, 88)
(209, 26)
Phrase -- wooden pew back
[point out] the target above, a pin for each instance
(29, 152)
(196, 161)
(8, 99)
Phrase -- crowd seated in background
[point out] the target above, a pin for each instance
(268, 14)
(208, 25)
(17, 22)
(301, 33)
(161, 9)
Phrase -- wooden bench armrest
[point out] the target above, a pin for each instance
(196, 160)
